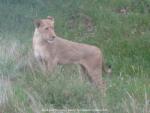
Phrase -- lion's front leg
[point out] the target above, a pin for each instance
(51, 64)
(43, 65)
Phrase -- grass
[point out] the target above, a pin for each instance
(123, 38)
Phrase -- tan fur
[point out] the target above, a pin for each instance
(52, 50)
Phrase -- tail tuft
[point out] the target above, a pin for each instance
(109, 66)
(109, 70)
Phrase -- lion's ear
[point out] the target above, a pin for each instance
(50, 18)
(37, 23)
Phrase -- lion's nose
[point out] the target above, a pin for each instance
(53, 37)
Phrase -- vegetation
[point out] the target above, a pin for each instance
(121, 28)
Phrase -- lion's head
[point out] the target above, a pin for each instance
(45, 28)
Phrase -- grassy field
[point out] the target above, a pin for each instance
(120, 28)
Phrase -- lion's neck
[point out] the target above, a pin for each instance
(36, 34)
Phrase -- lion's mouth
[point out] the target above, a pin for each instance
(51, 39)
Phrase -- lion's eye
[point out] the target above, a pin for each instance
(46, 28)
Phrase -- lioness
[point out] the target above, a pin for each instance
(52, 50)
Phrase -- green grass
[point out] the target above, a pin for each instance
(123, 38)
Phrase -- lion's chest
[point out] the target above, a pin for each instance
(39, 50)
